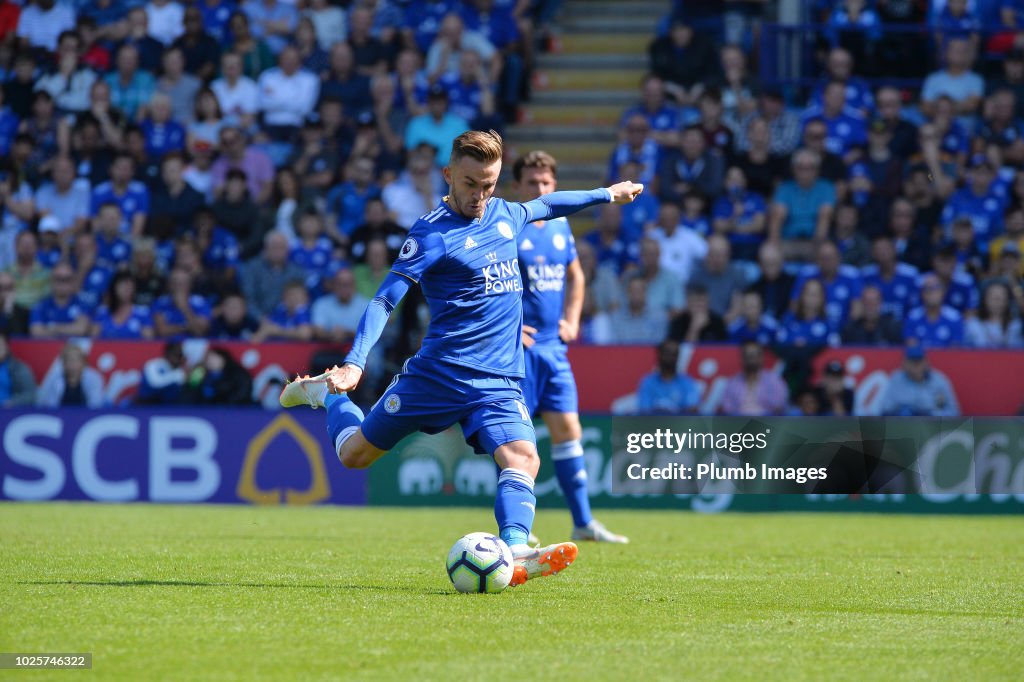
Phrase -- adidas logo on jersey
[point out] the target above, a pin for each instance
(527, 245)
(469, 243)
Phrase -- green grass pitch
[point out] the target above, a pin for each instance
(242, 593)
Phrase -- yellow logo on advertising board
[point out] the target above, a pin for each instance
(319, 488)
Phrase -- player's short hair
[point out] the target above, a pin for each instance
(538, 158)
(485, 147)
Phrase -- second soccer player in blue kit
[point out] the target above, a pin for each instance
(464, 256)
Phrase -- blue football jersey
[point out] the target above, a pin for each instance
(468, 270)
(545, 252)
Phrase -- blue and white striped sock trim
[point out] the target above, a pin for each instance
(566, 450)
(345, 434)
(518, 475)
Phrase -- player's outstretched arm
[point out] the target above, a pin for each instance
(561, 204)
(392, 290)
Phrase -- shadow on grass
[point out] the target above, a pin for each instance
(200, 583)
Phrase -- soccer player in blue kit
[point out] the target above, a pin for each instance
(464, 256)
(553, 285)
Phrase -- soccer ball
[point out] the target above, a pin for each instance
(480, 562)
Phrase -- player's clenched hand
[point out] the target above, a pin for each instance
(528, 333)
(343, 379)
(625, 192)
(567, 331)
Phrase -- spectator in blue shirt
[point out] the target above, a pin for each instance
(216, 15)
(290, 320)
(979, 201)
(807, 326)
(753, 324)
(162, 133)
(896, 281)
(610, 248)
(802, 208)
(933, 324)
(691, 166)
(9, 123)
(130, 87)
(181, 312)
(741, 215)
(666, 390)
(638, 148)
(113, 251)
(313, 251)
(839, 65)
(128, 193)
(853, 24)
(91, 280)
(347, 201)
(637, 214)
(470, 94)
(120, 318)
(61, 314)
(272, 21)
(918, 390)
(846, 130)
(957, 21)
(842, 284)
(663, 118)
(961, 291)
(438, 127)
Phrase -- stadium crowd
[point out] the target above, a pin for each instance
(248, 170)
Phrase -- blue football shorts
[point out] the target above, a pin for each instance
(431, 395)
(549, 385)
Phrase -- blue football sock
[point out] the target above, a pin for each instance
(343, 418)
(514, 506)
(571, 470)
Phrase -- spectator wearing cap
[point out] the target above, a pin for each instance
(288, 95)
(290, 319)
(956, 80)
(51, 246)
(802, 208)
(636, 323)
(181, 312)
(684, 59)
(961, 291)
(842, 284)
(666, 390)
(918, 390)
(17, 385)
(874, 327)
(264, 277)
(237, 94)
(236, 153)
(698, 323)
(663, 119)
(690, 167)
(41, 23)
(753, 323)
(933, 324)
(995, 325)
(846, 134)
(834, 396)
(200, 49)
(61, 314)
(335, 315)
(903, 133)
(438, 127)
(980, 200)
(808, 326)
(681, 248)
(65, 198)
(775, 285)
(1012, 239)
(14, 317)
(272, 21)
(755, 391)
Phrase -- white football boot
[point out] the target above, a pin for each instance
(305, 390)
(596, 532)
(544, 561)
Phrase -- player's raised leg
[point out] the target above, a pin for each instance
(514, 509)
